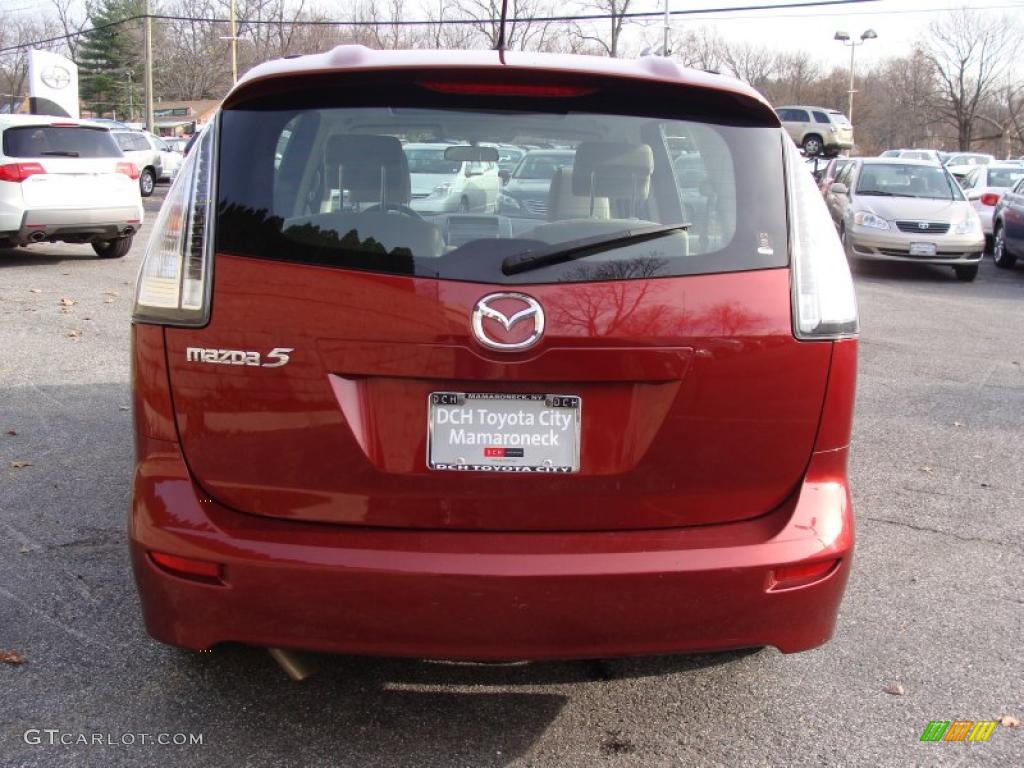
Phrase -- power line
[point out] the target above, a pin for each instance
(435, 22)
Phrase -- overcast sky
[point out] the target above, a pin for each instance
(897, 22)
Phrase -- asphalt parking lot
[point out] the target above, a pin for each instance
(930, 629)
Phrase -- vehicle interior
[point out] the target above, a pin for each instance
(340, 180)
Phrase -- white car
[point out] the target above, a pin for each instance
(985, 184)
(66, 180)
(929, 155)
(450, 186)
(136, 147)
(965, 162)
(170, 160)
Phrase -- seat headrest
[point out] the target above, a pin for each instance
(612, 169)
(370, 167)
(563, 204)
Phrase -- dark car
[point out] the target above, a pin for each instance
(620, 429)
(526, 193)
(1008, 227)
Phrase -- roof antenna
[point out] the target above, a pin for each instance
(500, 45)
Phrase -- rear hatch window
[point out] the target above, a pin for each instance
(59, 141)
(415, 190)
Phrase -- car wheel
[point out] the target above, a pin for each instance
(147, 182)
(113, 249)
(812, 145)
(464, 205)
(966, 274)
(1000, 255)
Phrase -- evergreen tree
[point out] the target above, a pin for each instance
(108, 53)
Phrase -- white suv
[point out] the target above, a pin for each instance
(136, 147)
(62, 179)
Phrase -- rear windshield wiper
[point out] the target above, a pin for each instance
(60, 153)
(574, 249)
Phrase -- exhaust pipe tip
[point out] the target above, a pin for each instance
(127, 231)
(293, 664)
(37, 236)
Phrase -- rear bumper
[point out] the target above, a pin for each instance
(90, 223)
(483, 595)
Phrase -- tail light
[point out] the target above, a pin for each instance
(989, 198)
(174, 279)
(129, 170)
(19, 171)
(487, 88)
(200, 570)
(824, 302)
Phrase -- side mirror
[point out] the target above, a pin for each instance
(505, 176)
(839, 188)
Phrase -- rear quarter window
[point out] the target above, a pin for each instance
(59, 141)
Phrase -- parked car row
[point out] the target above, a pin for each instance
(925, 206)
(69, 180)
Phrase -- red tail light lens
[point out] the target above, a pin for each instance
(201, 570)
(536, 90)
(19, 171)
(129, 170)
(800, 574)
(989, 198)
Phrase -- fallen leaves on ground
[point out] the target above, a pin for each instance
(66, 302)
(108, 301)
(11, 657)
(12, 432)
(958, 424)
(111, 293)
(926, 469)
(74, 334)
(20, 464)
(35, 290)
(896, 689)
(1009, 721)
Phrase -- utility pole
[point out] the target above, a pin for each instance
(234, 46)
(233, 37)
(149, 69)
(131, 98)
(664, 46)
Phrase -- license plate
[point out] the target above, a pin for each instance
(922, 249)
(490, 432)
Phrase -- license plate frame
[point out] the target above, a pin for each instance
(922, 249)
(502, 417)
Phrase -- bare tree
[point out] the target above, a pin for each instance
(971, 53)
(522, 31)
(616, 11)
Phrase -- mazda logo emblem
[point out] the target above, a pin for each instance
(531, 311)
(56, 77)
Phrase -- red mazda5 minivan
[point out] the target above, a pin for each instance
(612, 419)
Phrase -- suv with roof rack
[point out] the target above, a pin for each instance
(817, 130)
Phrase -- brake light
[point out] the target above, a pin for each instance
(63, 125)
(989, 198)
(174, 279)
(129, 170)
(19, 171)
(824, 302)
(505, 89)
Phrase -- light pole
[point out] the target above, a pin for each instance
(867, 34)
